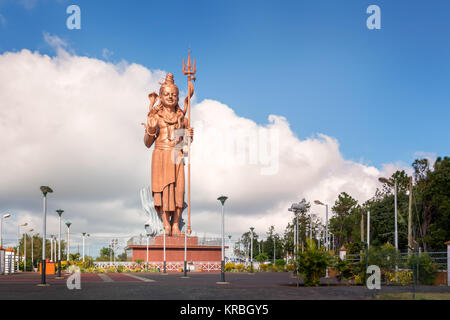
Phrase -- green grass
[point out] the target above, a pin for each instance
(419, 296)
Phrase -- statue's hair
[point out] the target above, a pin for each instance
(169, 82)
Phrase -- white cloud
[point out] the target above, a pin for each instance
(73, 123)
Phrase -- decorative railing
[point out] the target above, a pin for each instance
(206, 266)
(142, 241)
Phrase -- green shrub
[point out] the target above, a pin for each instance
(345, 269)
(261, 257)
(427, 269)
(280, 263)
(312, 263)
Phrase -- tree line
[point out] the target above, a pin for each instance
(429, 204)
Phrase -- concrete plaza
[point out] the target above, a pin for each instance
(199, 286)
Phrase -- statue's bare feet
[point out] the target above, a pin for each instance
(176, 230)
(168, 231)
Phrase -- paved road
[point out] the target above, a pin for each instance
(199, 286)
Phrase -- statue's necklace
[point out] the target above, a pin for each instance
(169, 117)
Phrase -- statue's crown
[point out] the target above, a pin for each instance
(169, 80)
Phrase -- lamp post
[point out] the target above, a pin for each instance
(51, 248)
(25, 249)
(310, 227)
(45, 190)
(84, 236)
(274, 249)
(297, 207)
(327, 245)
(391, 182)
(60, 212)
(68, 224)
(368, 229)
(164, 251)
(89, 247)
(148, 234)
(185, 255)
(18, 242)
(222, 200)
(114, 243)
(32, 250)
(251, 250)
(5, 216)
(230, 249)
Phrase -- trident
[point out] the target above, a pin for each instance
(189, 72)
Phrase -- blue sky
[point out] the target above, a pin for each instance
(382, 93)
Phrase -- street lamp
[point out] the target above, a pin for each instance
(51, 248)
(164, 251)
(274, 249)
(391, 182)
(68, 224)
(18, 242)
(148, 236)
(230, 249)
(222, 200)
(114, 243)
(60, 212)
(5, 216)
(368, 229)
(186, 231)
(327, 245)
(44, 190)
(84, 236)
(89, 248)
(251, 250)
(25, 250)
(32, 249)
(296, 207)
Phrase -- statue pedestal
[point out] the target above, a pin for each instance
(199, 253)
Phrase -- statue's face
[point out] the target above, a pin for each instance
(169, 96)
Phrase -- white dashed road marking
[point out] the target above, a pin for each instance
(139, 278)
(105, 277)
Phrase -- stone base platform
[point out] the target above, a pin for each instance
(175, 250)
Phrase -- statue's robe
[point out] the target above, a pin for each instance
(167, 161)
